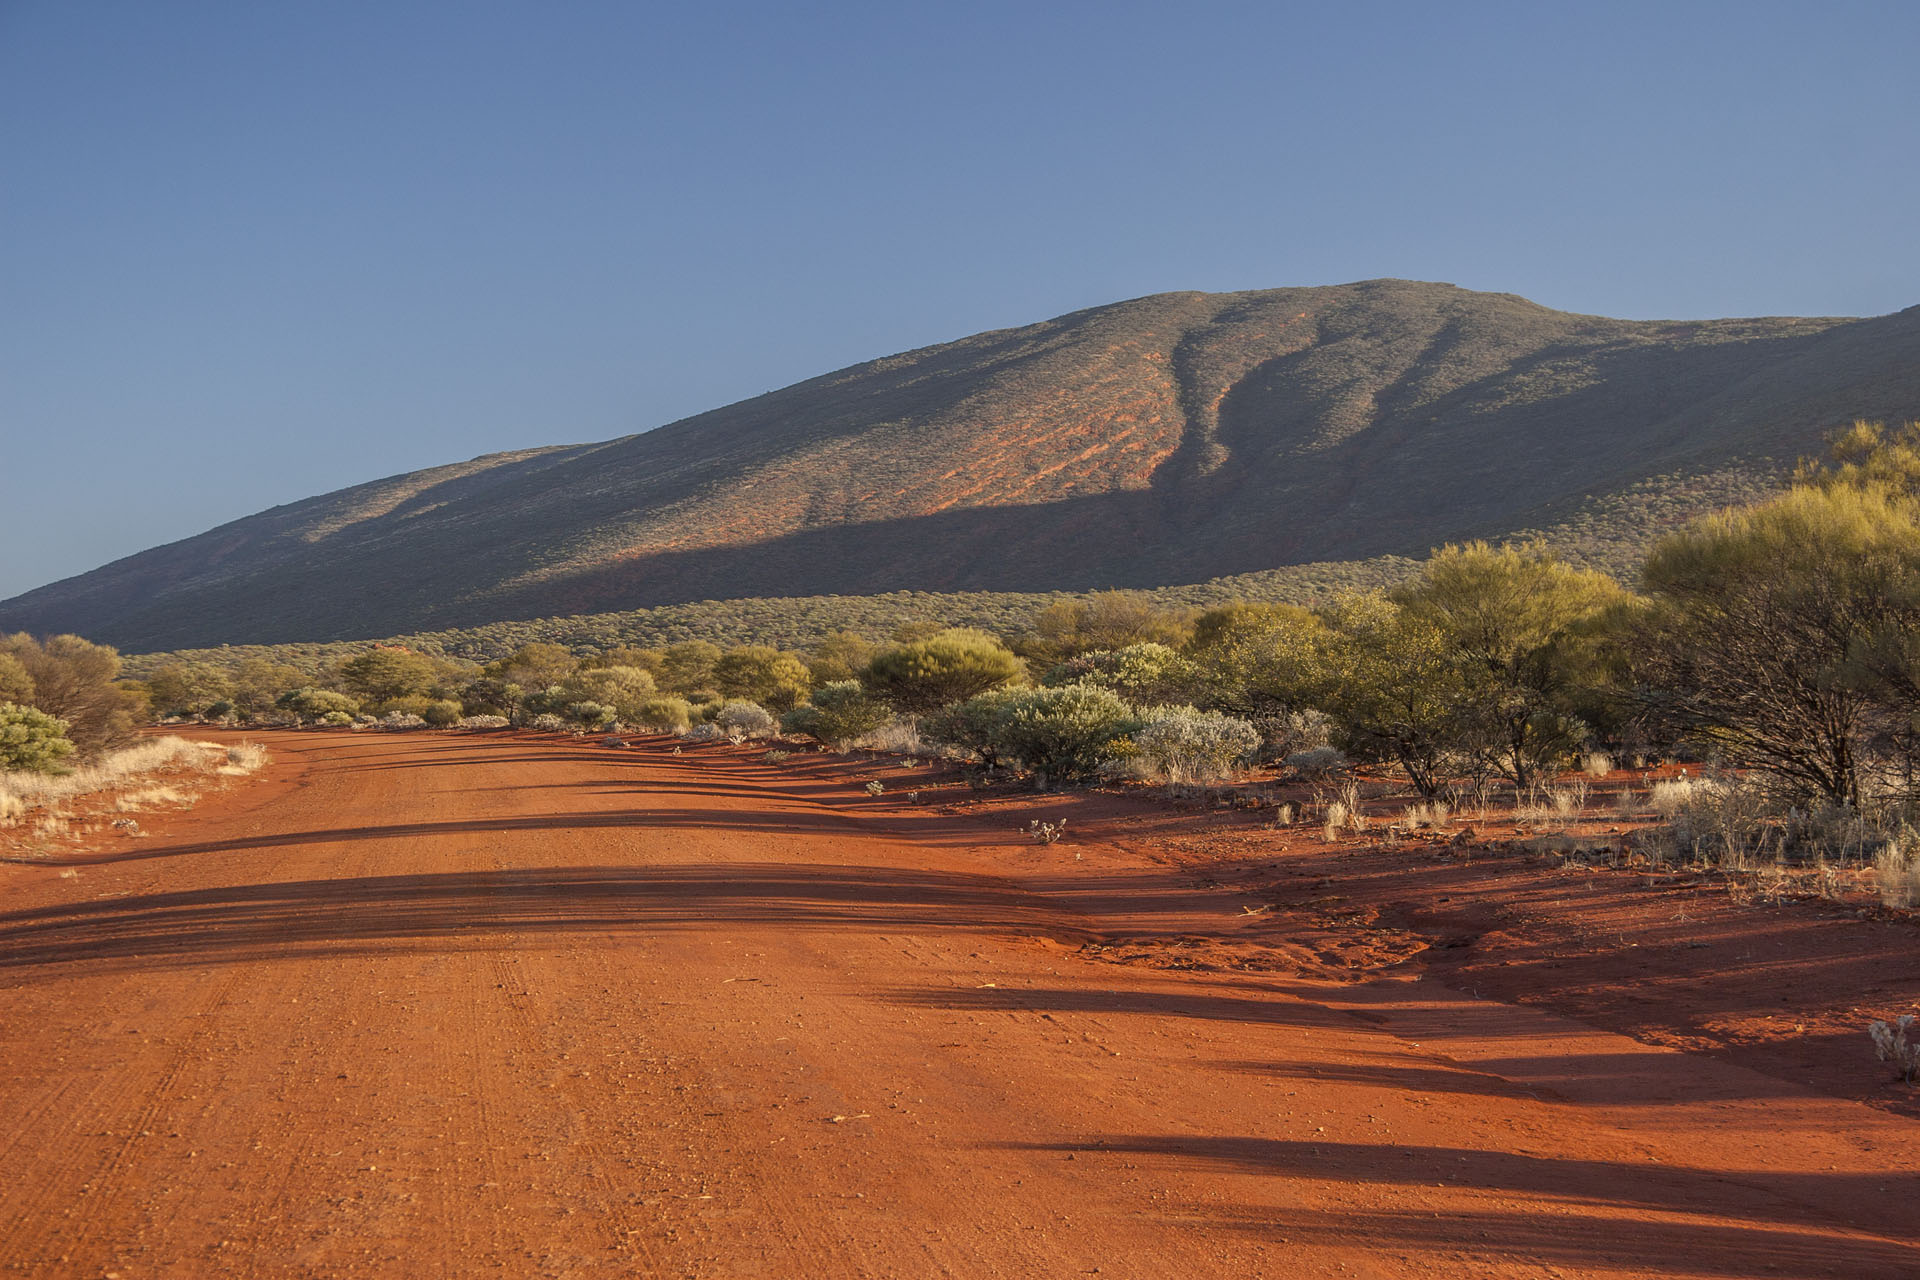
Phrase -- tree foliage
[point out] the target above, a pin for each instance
(839, 713)
(32, 741)
(74, 680)
(921, 677)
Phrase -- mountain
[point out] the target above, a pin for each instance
(1168, 439)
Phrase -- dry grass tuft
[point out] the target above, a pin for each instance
(44, 794)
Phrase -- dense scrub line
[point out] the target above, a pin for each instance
(1779, 642)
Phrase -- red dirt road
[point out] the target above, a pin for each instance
(426, 1006)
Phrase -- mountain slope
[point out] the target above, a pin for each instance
(1171, 438)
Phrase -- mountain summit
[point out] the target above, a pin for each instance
(1167, 439)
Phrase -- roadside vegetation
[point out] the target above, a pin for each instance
(1775, 647)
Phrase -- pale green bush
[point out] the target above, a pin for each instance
(1182, 745)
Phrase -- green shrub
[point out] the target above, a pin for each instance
(31, 740)
(621, 689)
(974, 725)
(664, 715)
(441, 713)
(593, 715)
(840, 713)
(1064, 734)
(950, 667)
(763, 675)
(317, 704)
(1141, 673)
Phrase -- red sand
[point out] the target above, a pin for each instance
(436, 1005)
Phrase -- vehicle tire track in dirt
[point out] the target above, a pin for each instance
(503, 1006)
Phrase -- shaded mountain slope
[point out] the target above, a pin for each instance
(1173, 438)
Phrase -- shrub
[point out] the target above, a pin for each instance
(840, 713)
(1321, 762)
(763, 675)
(593, 715)
(974, 725)
(317, 704)
(1139, 672)
(483, 722)
(441, 713)
(74, 680)
(1064, 734)
(1185, 745)
(402, 720)
(663, 715)
(950, 667)
(622, 690)
(742, 719)
(705, 732)
(337, 718)
(31, 740)
(547, 722)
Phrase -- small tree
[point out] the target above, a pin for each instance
(15, 684)
(974, 725)
(187, 688)
(623, 689)
(386, 674)
(840, 713)
(840, 656)
(1397, 688)
(533, 666)
(1526, 627)
(687, 667)
(1775, 629)
(75, 681)
(950, 667)
(1064, 734)
(31, 740)
(1106, 620)
(317, 704)
(759, 673)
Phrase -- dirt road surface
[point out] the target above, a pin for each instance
(438, 1006)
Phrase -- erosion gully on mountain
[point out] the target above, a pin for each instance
(487, 1005)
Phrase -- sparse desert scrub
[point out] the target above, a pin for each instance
(1896, 869)
(43, 795)
(1183, 745)
(740, 720)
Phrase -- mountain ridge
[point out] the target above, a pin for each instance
(1163, 439)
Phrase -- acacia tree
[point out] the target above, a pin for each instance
(761, 674)
(1259, 662)
(952, 666)
(1398, 688)
(1105, 620)
(1780, 631)
(1527, 630)
(75, 680)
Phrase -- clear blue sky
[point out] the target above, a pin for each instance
(253, 252)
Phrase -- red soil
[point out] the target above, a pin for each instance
(433, 1005)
